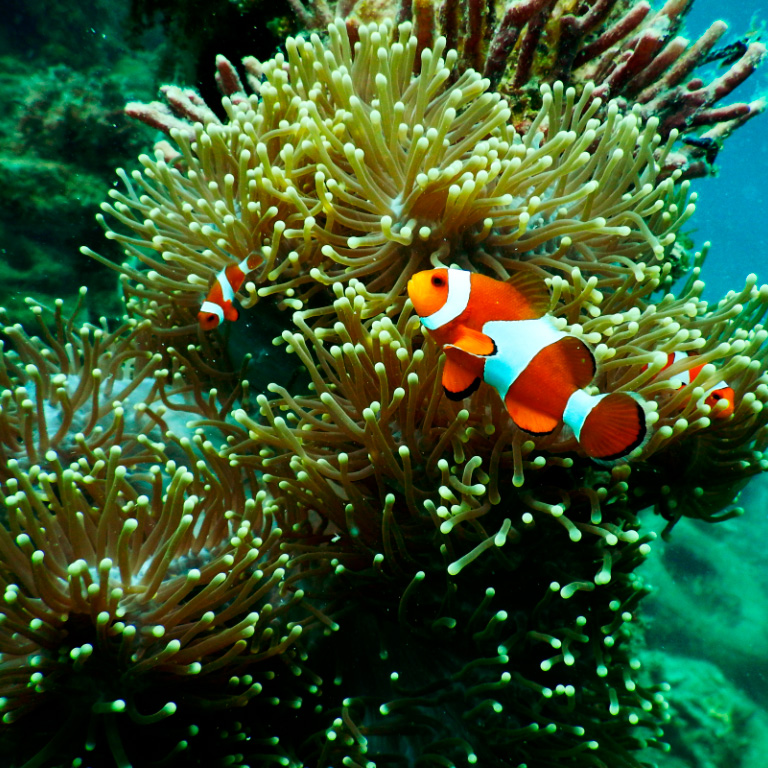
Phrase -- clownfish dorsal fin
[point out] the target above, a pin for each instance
(473, 342)
(461, 374)
(531, 295)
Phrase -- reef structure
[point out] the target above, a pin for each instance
(413, 581)
(628, 50)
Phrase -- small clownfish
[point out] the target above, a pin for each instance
(721, 390)
(501, 332)
(218, 305)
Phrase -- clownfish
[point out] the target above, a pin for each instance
(501, 333)
(218, 305)
(721, 390)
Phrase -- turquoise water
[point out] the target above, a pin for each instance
(731, 207)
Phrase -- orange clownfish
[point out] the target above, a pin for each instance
(218, 305)
(721, 390)
(500, 332)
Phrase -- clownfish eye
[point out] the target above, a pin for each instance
(438, 281)
(717, 396)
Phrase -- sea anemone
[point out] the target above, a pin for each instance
(468, 588)
(79, 391)
(346, 165)
(122, 608)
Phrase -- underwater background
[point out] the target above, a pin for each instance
(739, 243)
(65, 75)
(705, 625)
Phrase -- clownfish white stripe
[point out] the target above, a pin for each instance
(578, 407)
(214, 309)
(517, 343)
(244, 266)
(226, 288)
(505, 336)
(684, 377)
(459, 289)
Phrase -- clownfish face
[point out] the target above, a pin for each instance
(207, 320)
(428, 291)
(213, 313)
(724, 393)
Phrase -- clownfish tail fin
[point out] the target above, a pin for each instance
(608, 427)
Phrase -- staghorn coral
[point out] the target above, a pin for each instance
(469, 590)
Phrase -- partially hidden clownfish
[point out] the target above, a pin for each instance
(721, 391)
(501, 333)
(218, 305)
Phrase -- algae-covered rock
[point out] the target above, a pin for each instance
(713, 724)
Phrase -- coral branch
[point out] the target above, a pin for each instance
(529, 43)
(611, 37)
(680, 107)
(686, 63)
(516, 15)
(228, 80)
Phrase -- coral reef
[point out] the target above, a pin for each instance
(705, 621)
(627, 50)
(65, 76)
(713, 723)
(352, 569)
(711, 572)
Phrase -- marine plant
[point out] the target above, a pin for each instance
(414, 581)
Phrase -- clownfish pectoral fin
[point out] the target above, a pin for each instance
(230, 313)
(608, 428)
(530, 419)
(461, 374)
(473, 342)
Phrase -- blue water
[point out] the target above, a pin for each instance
(732, 207)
